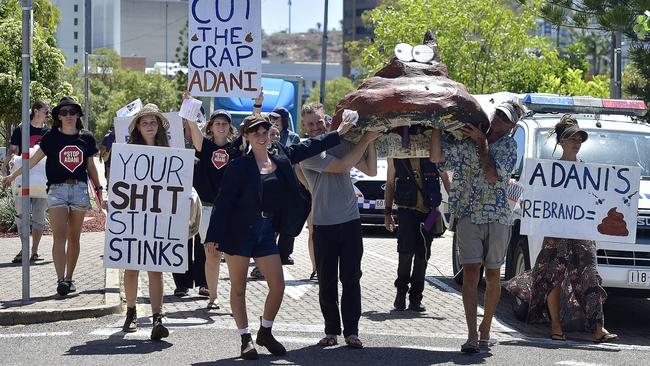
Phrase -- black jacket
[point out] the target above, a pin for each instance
(239, 200)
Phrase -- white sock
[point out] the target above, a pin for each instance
(244, 331)
(267, 323)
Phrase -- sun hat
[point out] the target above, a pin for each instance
(149, 109)
(66, 101)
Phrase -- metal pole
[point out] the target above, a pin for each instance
(24, 229)
(323, 64)
(166, 66)
(289, 17)
(87, 93)
(615, 84)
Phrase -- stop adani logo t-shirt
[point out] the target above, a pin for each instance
(67, 155)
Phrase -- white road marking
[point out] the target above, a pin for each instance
(578, 363)
(297, 340)
(296, 288)
(435, 349)
(31, 335)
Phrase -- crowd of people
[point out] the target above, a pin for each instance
(259, 184)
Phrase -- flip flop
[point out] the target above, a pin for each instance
(486, 342)
(471, 346)
(213, 306)
(607, 337)
(328, 341)
(35, 257)
(558, 337)
(353, 341)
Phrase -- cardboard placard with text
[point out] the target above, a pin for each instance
(149, 208)
(576, 200)
(224, 48)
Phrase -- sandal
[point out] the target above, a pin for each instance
(35, 257)
(328, 341)
(471, 346)
(558, 337)
(353, 341)
(486, 342)
(18, 258)
(212, 305)
(313, 276)
(606, 337)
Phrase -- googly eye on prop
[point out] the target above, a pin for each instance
(404, 52)
(422, 53)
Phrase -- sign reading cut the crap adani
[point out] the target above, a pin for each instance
(148, 208)
(224, 48)
(575, 200)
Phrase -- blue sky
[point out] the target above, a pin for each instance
(304, 15)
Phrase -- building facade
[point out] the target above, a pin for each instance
(70, 34)
(353, 27)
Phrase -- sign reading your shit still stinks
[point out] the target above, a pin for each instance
(224, 48)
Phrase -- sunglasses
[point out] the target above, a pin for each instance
(68, 112)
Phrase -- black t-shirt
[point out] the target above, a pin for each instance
(213, 160)
(67, 155)
(270, 192)
(35, 136)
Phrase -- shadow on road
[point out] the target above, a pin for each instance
(117, 345)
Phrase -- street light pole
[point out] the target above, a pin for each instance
(26, 60)
(323, 64)
(87, 93)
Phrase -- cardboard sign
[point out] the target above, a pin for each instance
(575, 200)
(37, 177)
(224, 48)
(174, 134)
(130, 109)
(149, 208)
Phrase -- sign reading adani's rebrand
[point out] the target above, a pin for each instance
(224, 48)
(575, 200)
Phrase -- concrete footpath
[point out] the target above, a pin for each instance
(97, 292)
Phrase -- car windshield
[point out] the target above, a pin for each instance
(604, 147)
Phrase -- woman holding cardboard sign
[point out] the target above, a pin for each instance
(148, 127)
(259, 196)
(69, 149)
(564, 284)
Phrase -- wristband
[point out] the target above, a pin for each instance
(257, 106)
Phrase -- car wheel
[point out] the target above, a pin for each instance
(455, 262)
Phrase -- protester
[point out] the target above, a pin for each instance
(37, 117)
(414, 185)
(69, 149)
(259, 196)
(281, 118)
(215, 151)
(482, 165)
(148, 127)
(274, 134)
(338, 242)
(564, 284)
(105, 152)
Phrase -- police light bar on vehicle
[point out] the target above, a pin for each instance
(548, 103)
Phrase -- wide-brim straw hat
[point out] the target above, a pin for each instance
(149, 109)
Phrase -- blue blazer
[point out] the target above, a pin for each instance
(239, 201)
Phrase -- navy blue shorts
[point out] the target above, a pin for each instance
(259, 243)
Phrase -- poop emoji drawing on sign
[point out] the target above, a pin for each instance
(614, 224)
(195, 38)
(249, 37)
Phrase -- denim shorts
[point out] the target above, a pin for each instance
(73, 196)
(37, 210)
(259, 243)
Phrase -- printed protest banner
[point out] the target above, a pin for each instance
(149, 208)
(224, 48)
(577, 200)
(175, 132)
(130, 109)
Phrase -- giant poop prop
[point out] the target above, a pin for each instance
(407, 98)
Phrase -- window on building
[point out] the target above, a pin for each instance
(76, 61)
(76, 35)
(76, 8)
(76, 21)
(76, 48)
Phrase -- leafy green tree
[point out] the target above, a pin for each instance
(335, 90)
(573, 83)
(486, 45)
(112, 87)
(46, 70)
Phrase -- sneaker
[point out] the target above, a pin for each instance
(73, 288)
(417, 306)
(158, 331)
(400, 300)
(131, 321)
(181, 292)
(248, 351)
(266, 339)
(257, 274)
(62, 288)
(203, 291)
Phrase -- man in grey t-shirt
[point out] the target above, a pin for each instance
(338, 241)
